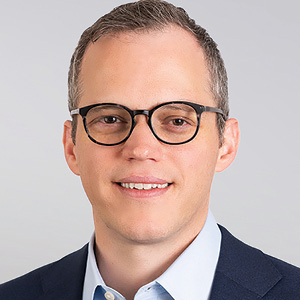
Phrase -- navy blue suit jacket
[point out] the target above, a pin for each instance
(243, 273)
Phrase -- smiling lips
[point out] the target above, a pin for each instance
(143, 186)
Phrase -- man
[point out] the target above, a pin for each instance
(150, 127)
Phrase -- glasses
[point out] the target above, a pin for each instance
(173, 123)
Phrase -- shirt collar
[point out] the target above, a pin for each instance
(92, 275)
(192, 273)
(190, 276)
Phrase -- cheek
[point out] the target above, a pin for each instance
(196, 164)
(198, 156)
(94, 170)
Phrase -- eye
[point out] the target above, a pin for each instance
(109, 119)
(106, 120)
(178, 122)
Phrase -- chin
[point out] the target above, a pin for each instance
(147, 232)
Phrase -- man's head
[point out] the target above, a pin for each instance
(145, 16)
(144, 190)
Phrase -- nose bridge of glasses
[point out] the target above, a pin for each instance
(144, 112)
(140, 112)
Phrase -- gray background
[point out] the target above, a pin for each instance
(44, 212)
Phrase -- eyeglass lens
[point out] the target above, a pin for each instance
(172, 123)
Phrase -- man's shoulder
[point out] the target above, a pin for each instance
(244, 270)
(240, 251)
(49, 279)
(290, 281)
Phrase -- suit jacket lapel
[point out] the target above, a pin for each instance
(242, 271)
(64, 279)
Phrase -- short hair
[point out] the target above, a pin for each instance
(146, 16)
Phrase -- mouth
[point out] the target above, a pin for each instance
(137, 186)
(143, 186)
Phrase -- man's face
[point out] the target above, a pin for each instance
(141, 71)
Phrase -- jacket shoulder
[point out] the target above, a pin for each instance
(244, 272)
(289, 285)
(69, 269)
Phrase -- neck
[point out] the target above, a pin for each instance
(128, 265)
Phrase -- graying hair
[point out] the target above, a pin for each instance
(145, 16)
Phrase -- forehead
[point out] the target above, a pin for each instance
(168, 63)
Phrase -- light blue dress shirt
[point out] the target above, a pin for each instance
(189, 277)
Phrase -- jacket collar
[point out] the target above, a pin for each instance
(242, 271)
(70, 285)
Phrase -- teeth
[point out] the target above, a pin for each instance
(143, 186)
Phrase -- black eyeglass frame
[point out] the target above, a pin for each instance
(83, 111)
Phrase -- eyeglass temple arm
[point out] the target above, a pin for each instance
(74, 112)
(214, 109)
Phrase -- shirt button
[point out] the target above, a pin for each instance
(109, 296)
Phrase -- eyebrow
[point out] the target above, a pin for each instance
(108, 106)
(186, 108)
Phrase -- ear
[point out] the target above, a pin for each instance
(70, 148)
(228, 150)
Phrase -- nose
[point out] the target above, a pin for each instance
(142, 144)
